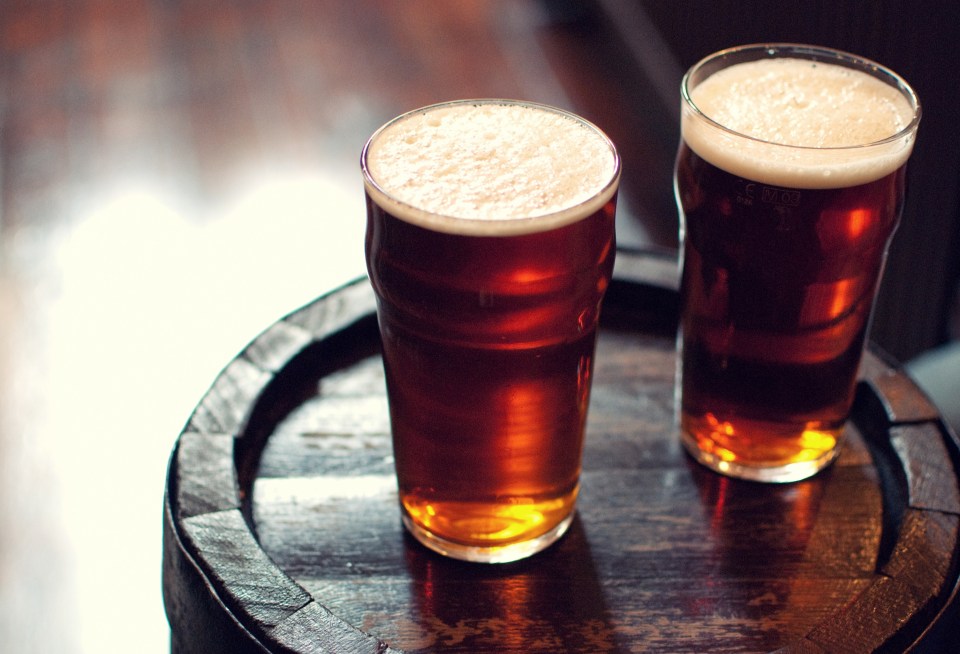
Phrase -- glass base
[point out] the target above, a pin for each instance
(494, 554)
(776, 474)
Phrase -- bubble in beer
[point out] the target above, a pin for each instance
(803, 103)
(822, 112)
(491, 162)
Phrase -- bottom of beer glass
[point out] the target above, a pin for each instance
(500, 553)
(785, 455)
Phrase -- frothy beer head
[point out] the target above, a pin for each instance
(800, 123)
(490, 167)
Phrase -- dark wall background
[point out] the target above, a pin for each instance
(921, 41)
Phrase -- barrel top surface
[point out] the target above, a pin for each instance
(282, 531)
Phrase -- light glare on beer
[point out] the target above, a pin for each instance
(843, 297)
(857, 222)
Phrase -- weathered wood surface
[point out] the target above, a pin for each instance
(282, 532)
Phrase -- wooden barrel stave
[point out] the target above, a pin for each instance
(319, 366)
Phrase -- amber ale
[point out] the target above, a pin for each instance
(490, 244)
(790, 182)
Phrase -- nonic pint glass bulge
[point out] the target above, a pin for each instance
(790, 184)
(490, 244)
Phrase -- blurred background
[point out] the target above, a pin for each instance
(175, 175)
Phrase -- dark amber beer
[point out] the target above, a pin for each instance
(790, 183)
(490, 244)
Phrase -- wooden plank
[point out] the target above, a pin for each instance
(924, 554)
(870, 622)
(315, 630)
(929, 467)
(200, 622)
(240, 572)
(902, 399)
(338, 311)
(279, 343)
(226, 406)
(204, 478)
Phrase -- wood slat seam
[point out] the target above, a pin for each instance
(337, 310)
(224, 547)
(226, 405)
(273, 348)
(204, 474)
(314, 629)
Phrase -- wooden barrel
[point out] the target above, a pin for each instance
(282, 532)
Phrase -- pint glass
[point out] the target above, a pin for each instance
(790, 184)
(489, 245)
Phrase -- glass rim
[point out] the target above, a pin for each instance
(476, 226)
(812, 53)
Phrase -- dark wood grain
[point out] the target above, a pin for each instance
(295, 544)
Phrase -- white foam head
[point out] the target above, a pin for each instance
(490, 167)
(800, 123)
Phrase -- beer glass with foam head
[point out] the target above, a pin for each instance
(489, 245)
(790, 184)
